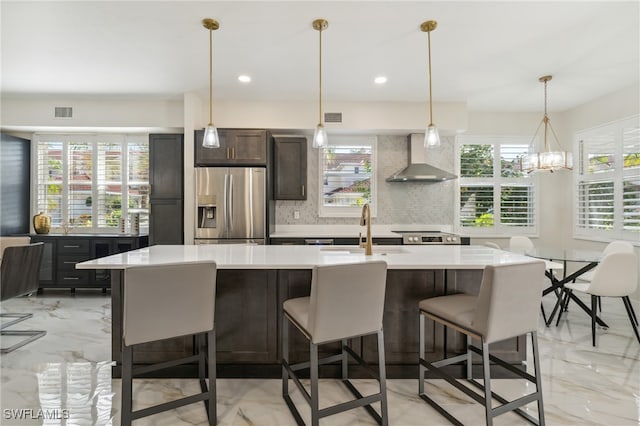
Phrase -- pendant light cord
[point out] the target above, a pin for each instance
(429, 66)
(210, 76)
(320, 81)
(545, 119)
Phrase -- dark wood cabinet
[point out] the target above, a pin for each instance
(246, 317)
(166, 221)
(62, 252)
(166, 165)
(166, 177)
(290, 167)
(238, 147)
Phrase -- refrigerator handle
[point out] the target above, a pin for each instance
(230, 210)
(226, 204)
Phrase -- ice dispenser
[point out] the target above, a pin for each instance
(206, 211)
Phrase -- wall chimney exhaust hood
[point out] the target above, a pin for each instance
(418, 170)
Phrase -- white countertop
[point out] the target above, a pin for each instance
(237, 256)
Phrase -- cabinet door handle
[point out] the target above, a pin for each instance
(233, 153)
(69, 262)
(71, 246)
(71, 278)
(228, 153)
(303, 190)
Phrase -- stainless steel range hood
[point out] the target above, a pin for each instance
(418, 170)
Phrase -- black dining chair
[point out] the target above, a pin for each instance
(19, 276)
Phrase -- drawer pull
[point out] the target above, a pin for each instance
(71, 278)
(71, 246)
(69, 262)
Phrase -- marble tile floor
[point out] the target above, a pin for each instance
(69, 369)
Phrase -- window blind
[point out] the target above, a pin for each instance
(607, 184)
(495, 196)
(89, 182)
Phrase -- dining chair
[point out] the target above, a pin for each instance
(506, 307)
(20, 275)
(346, 301)
(520, 242)
(615, 276)
(612, 247)
(162, 302)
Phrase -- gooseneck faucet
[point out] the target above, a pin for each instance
(365, 220)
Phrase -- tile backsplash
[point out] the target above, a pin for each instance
(398, 202)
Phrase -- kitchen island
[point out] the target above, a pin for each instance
(253, 281)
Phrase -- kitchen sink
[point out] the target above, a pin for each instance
(383, 250)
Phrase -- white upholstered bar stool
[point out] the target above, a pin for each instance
(346, 301)
(162, 302)
(506, 307)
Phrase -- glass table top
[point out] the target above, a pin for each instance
(562, 254)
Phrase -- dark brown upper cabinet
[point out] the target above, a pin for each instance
(290, 167)
(238, 147)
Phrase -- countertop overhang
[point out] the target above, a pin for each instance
(238, 256)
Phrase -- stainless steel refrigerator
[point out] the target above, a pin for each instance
(230, 205)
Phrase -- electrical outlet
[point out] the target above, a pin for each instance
(296, 214)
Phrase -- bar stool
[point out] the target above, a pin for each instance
(162, 302)
(506, 307)
(346, 301)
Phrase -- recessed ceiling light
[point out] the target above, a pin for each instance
(380, 79)
(244, 79)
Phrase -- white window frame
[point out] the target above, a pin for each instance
(343, 211)
(617, 175)
(93, 140)
(497, 230)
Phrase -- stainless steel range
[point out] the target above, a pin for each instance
(431, 238)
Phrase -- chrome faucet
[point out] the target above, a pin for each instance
(365, 220)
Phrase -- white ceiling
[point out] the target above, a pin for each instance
(488, 54)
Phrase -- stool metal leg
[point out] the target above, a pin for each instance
(421, 368)
(285, 356)
(345, 360)
(383, 380)
(127, 386)
(538, 374)
(315, 415)
(487, 383)
(211, 356)
(469, 359)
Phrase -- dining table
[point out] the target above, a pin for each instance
(588, 259)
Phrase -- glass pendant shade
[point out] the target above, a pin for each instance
(211, 139)
(431, 137)
(319, 137)
(546, 160)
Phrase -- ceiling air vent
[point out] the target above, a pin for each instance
(63, 112)
(333, 117)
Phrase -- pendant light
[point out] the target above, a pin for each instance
(431, 136)
(320, 135)
(547, 159)
(210, 139)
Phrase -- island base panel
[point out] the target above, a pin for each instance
(248, 321)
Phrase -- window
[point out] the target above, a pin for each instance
(607, 182)
(88, 182)
(494, 196)
(347, 172)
